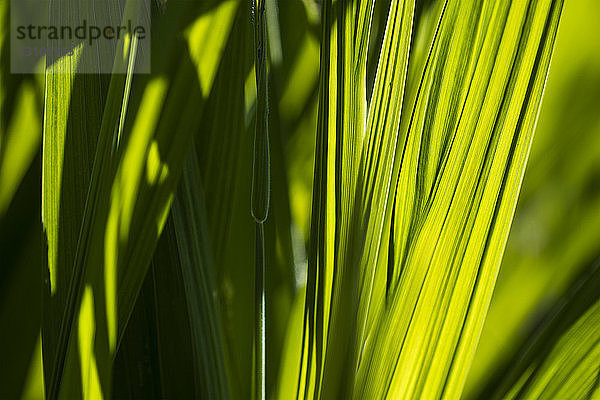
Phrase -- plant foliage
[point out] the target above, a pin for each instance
(302, 200)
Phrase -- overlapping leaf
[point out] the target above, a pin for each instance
(560, 360)
(460, 173)
(430, 206)
(98, 257)
(556, 227)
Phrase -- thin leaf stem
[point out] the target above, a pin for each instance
(259, 315)
(260, 194)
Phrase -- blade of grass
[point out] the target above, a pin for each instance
(261, 192)
(137, 209)
(460, 171)
(557, 198)
(434, 211)
(340, 132)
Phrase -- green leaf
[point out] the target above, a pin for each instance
(177, 315)
(413, 214)
(556, 226)
(19, 142)
(189, 221)
(21, 99)
(561, 358)
(340, 131)
(136, 170)
(460, 169)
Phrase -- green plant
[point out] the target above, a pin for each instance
(180, 258)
